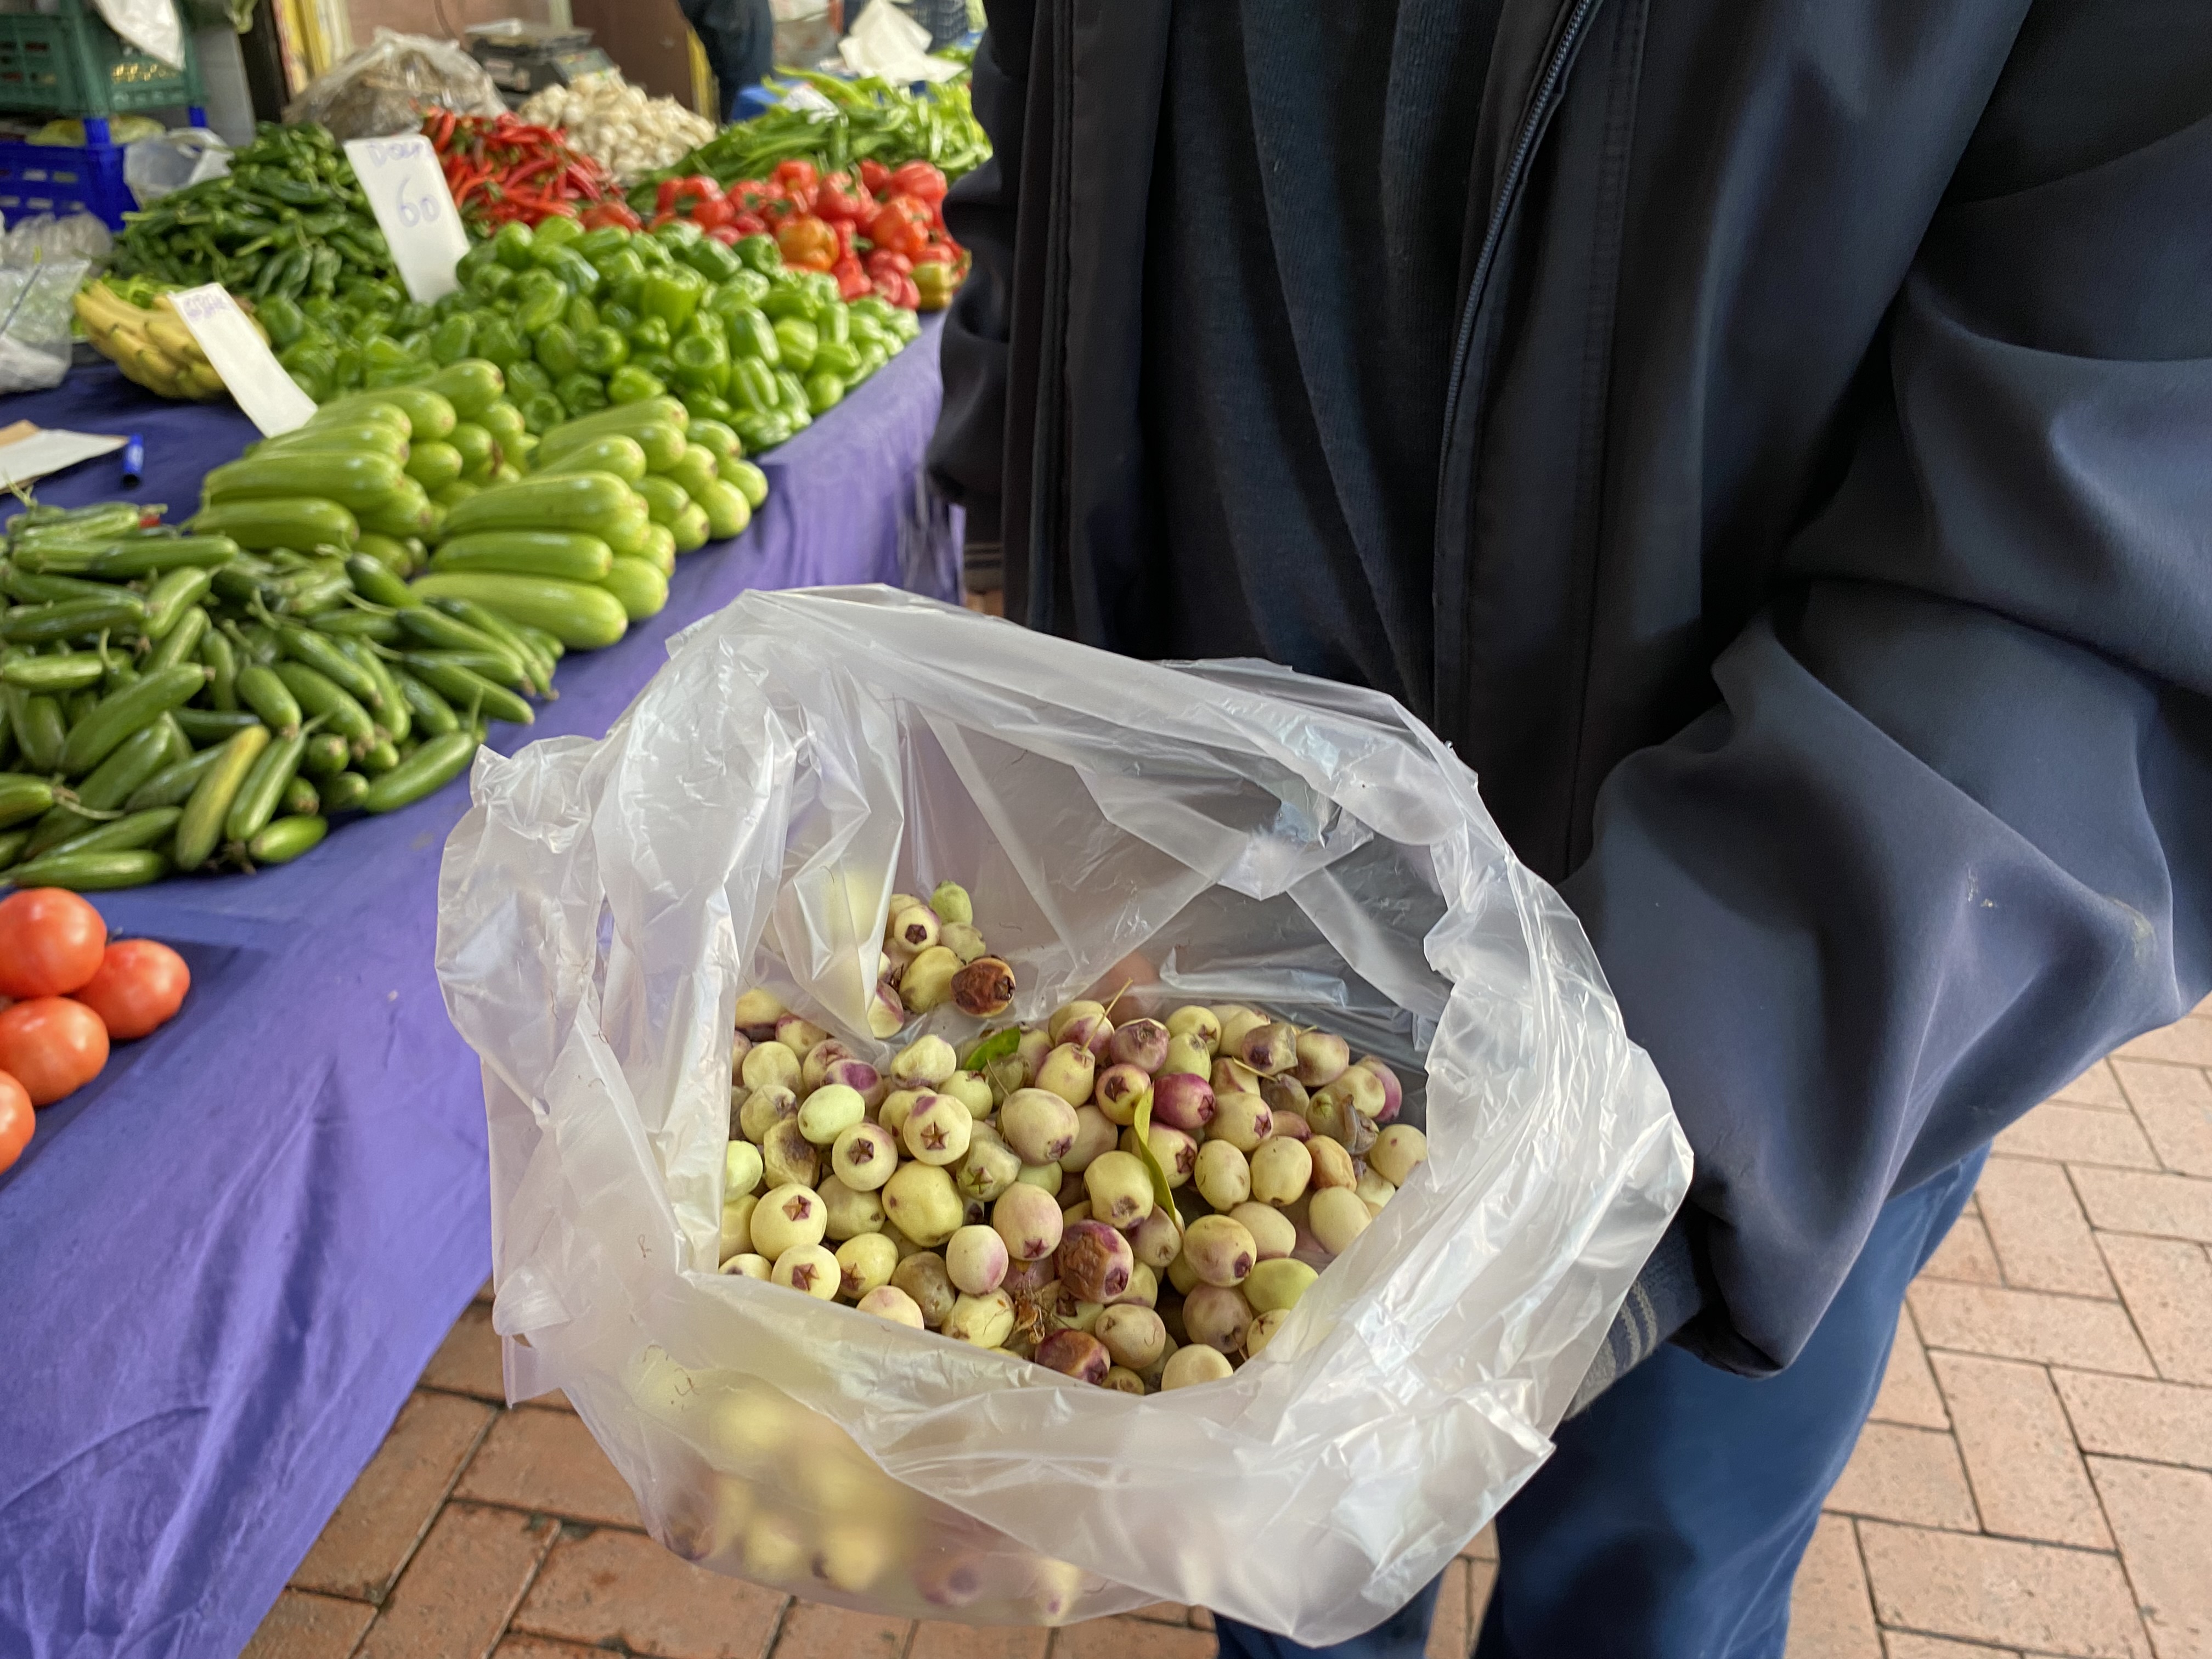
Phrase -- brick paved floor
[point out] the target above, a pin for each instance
(2036, 1480)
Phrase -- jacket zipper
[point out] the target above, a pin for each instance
(1517, 170)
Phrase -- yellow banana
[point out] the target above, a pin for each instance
(174, 337)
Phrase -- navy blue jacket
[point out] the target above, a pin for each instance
(1822, 569)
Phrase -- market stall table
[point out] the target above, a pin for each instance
(226, 1261)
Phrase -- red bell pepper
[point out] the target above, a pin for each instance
(840, 202)
(604, 215)
(748, 224)
(807, 243)
(902, 224)
(899, 290)
(798, 180)
(726, 234)
(919, 179)
(939, 254)
(883, 260)
(875, 177)
(852, 281)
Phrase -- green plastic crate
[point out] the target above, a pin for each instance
(75, 65)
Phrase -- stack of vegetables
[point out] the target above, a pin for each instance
(585, 546)
(869, 120)
(876, 229)
(578, 320)
(503, 169)
(179, 702)
(289, 218)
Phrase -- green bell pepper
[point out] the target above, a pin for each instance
(837, 357)
(789, 302)
(410, 317)
(451, 340)
(752, 385)
(621, 267)
(705, 406)
(791, 394)
(750, 283)
(581, 393)
(618, 316)
(824, 391)
(497, 342)
(601, 350)
(660, 364)
(796, 338)
(762, 431)
(651, 334)
(577, 274)
(751, 335)
(313, 365)
(596, 245)
(558, 228)
(556, 351)
(582, 316)
(701, 357)
(676, 232)
(513, 244)
(716, 263)
(542, 412)
(760, 252)
(479, 255)
(632, 385)
(672, 295)
(833, 323)
(525, 378)
(492, 282)
(653, 251)
(541, 301)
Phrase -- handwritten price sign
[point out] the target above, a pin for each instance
(272, 398)
(407, 193)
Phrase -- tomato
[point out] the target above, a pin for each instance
(16, 1119)
(50, 943)
(141, 983)
(52, 1046)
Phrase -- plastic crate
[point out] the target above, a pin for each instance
(73, 63)
(945, 19)
(49, 179)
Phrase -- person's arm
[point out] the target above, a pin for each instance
(967, 453)
(1947, 838)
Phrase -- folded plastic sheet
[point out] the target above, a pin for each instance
(1203, 833)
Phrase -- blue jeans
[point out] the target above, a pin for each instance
(1669, 1522)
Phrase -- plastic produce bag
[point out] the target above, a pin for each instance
(385, 87)
(154, 167)
(34, 323)
(1226, 830)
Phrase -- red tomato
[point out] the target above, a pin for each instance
(141, 983)
(50, 943)
(52, 1046)
(16, 1121)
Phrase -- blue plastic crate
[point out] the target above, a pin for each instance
(57, 179)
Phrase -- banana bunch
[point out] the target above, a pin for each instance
(150, 343)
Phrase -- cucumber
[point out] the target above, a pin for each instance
(582, 617)
(565, 554)
(298, 521)
(727, 511)
(434, 465)
(202, 824)
(342, 438)
(613, 453)
(562, 501)
(664, 499)
(288, 838)
(435, 764)
(354, 479)
(641, 589)
(91, 872)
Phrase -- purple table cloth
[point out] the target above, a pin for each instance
(224, 1263)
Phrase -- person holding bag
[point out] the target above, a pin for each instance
(1767, 443)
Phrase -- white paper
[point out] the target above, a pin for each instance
(42, 452)
(407, 193)
(272, 398)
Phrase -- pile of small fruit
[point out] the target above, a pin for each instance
(1138, 1206)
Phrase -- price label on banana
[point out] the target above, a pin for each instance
(235, 347)
(407, 193)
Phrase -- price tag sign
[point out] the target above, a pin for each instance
(272, 398)
(407, 193)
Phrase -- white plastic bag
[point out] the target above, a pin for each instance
(1249, 834)
(385, 87)
(34, 323)
(154, 167)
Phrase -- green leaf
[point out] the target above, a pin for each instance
(1163, 1194)
(991, 1045)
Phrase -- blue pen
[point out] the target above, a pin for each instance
(134, 461)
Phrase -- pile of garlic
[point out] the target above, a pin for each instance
(618, 125)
